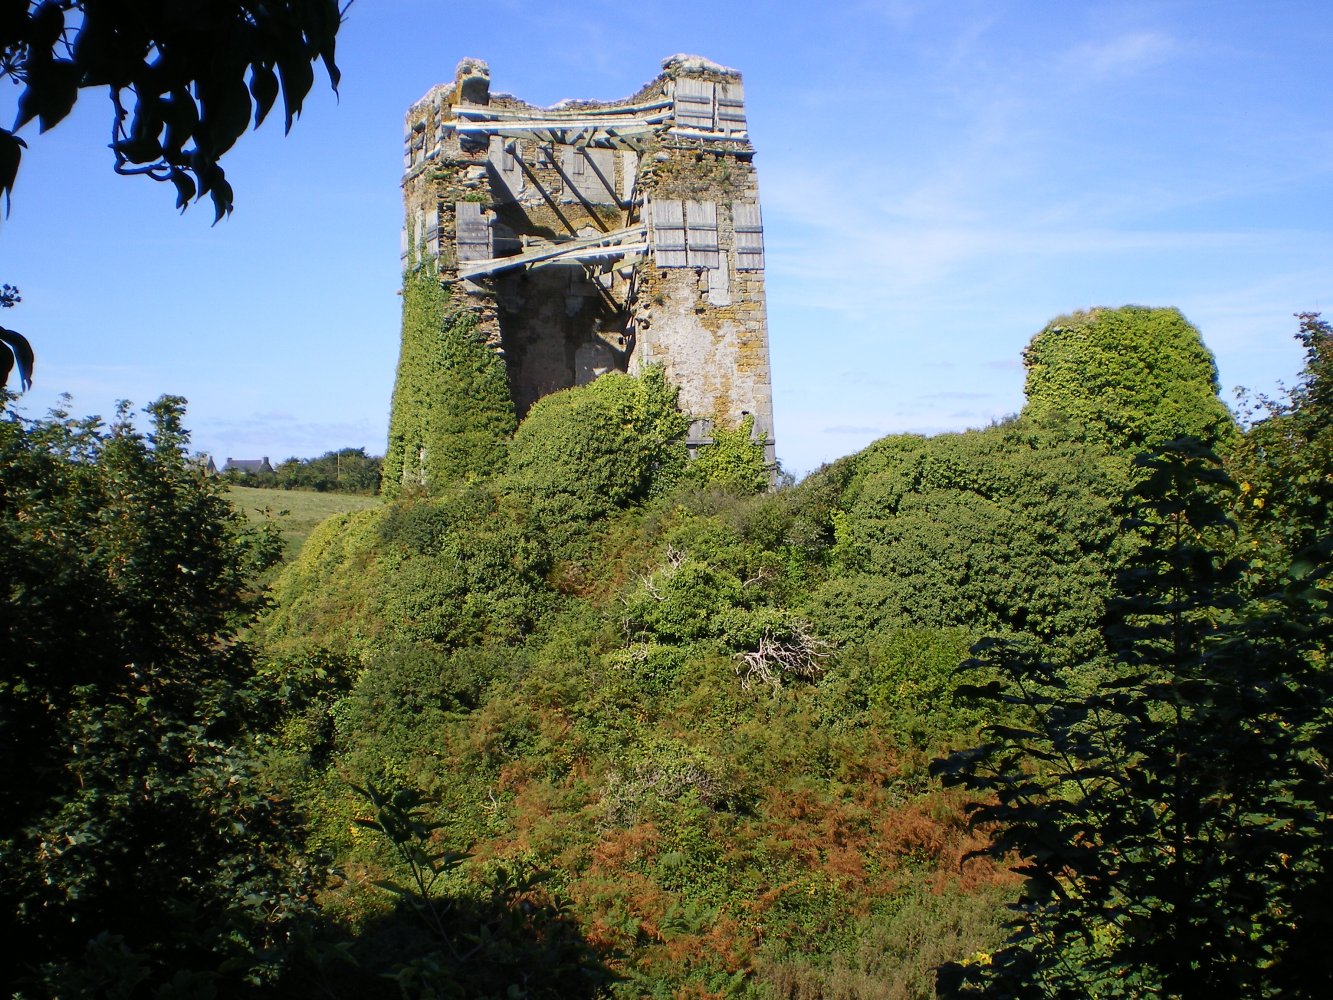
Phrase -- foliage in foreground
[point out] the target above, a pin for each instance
(670, 738)
(136, 846)
(174, 116)
(14, 347)
(1173, 822)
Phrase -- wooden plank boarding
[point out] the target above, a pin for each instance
(749, 229)
(472, 232)
(668, 235)
(694, 103)
(730, 108)
(701, 233)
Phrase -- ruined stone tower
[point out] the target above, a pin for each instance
(592, 237)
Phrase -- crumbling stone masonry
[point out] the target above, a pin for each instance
(592, 237)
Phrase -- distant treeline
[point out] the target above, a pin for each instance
(348, 470)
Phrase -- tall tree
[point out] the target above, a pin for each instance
(1284, 464)
(136, 848)
(1173, 822)
(1133, 377)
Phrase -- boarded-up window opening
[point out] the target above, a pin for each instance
(730, 107)
(749, 235)
(694, 103)
(669, 233)
(685, 233)
(473, 232)
(433, 235)
(629, 170)
(701, 233)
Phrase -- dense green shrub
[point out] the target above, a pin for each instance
(904, 680)
(681, 603)
(327, 595)
(584, 452)
(1134, 377)
(140, 853)
(454, 570)
(1010, 529)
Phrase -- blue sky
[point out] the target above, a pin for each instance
(939, 180)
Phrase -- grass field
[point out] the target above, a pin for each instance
(296, 511)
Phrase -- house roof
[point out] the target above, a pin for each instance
(247, 465)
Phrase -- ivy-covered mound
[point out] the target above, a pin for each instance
(606, 723)
(707, 732)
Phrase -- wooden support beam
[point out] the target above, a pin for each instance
(475, 112)
(621, 243)
(694, 133)
(623, 132)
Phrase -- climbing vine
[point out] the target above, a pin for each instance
(452, 415)
(734, 461)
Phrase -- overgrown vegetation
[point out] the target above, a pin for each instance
(296, 513)
(451, 413)
(138, 845)
(594, 721)
(1173, 821)
(1132, 377)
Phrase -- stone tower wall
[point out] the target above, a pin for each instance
(600, 236)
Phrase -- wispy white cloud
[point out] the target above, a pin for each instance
(852, 429)
(898, 13)
(1123, 55)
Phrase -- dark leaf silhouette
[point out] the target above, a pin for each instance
(20, 352)
(234, 56)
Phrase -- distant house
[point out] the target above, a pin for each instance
(247, 466)
(205, 465)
